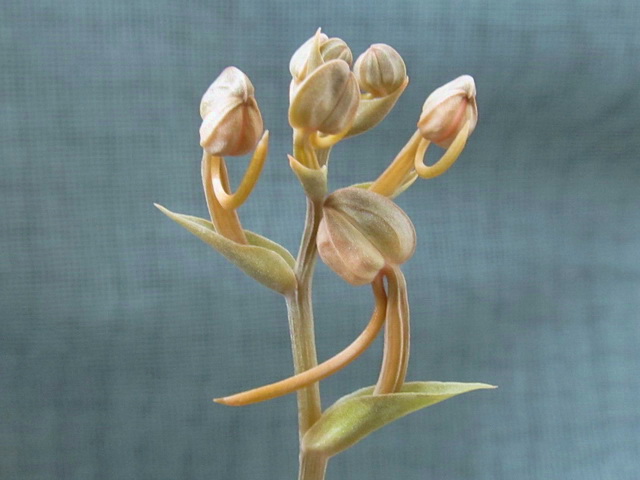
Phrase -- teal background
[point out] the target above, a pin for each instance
(118, 327)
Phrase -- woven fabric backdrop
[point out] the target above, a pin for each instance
(118, 327)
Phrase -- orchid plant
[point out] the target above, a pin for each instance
(358, 231)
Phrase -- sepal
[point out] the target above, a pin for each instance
(371, 111)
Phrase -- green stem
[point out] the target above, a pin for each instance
(312, 466)
(300, 310)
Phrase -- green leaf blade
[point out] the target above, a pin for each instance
(263, 260)
(359, 414)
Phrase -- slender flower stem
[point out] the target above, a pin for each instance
(395, 358)
(396, 173)
(226, 222)
(326, 368)
(231, 201)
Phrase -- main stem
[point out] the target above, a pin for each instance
(312, 466)
(300, 310)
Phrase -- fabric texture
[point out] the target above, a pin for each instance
(118, 327)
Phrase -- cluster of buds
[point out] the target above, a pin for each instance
(362, 235)
(359, 232)
(329, 101)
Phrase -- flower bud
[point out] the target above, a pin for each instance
(232, 124)
(361, 232)
(327, 100)
(305, 60)
(447, 109)
(336, 49)
(380, 70)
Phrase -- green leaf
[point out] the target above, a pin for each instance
(264, 260)
(264, 242)
(355, 416)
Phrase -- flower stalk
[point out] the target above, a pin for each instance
(395, 359)
(300, 315)
(226, 222)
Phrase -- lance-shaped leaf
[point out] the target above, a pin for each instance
(252, 237)
(355, 416)
(264, 260)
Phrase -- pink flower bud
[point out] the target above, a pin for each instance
(380, 70)
(232, 124)
(447, 109)
(361, 232)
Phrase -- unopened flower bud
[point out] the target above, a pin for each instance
(380, 70)
(327, 100)
(361, 232)
(447, 110)
(336, 49)
(232, 124)
(305, 60)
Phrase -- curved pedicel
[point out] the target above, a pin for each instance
(395, 358)
(231, 201)
(325, 369)
(447, 160)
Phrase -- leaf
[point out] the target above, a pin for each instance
(264, 260)
(357, 415)
(264, 242)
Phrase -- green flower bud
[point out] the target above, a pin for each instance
(361, 232)
(327, 100)
(447, 110)
(380, 70)
(232, 123)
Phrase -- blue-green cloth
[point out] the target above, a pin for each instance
(118, 327)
